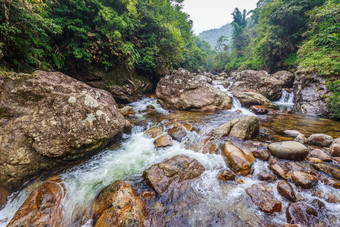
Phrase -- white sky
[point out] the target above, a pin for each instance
(208, 14)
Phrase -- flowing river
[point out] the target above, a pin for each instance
(208, 202)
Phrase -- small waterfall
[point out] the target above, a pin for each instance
(287, 98)
(236, 103)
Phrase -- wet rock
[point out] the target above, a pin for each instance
(309, 95)
(172, 171)
(3, 196)
(317, 153)
(127, 111)
(279, 170)
(163, 141)
(224, 129)
(335, 148)
(320, 139)
(154, 132)
(258, 109)
(300, 213)
(182, 91)
(314, 160)
(118, 205)
(246, 128)
(226, 175)
(238, 160)
(303, 179)
(263, 198)
(210, 146)
(151, 110)
(226, 84)
(286, 190)
(331, 182)
(329, 169)
(42, 207)
(187, 126)
(148, 195)
(248, 99)
(289, 150)
(257, 81)
(261, 154)
(177, 133)
(265, 176)
(292, 133)
(48, 117)
(301, 139)
(286, 78)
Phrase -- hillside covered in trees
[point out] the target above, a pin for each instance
(212, 36)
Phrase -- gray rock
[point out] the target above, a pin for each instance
(290, 150)
(320, 139)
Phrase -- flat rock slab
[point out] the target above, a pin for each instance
(290, 150)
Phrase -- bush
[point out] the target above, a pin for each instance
(334, 100)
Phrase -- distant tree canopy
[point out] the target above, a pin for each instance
(283, 34)
(150, 36)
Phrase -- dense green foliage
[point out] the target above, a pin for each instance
(334, 101)
(150, 36)
(284, 34)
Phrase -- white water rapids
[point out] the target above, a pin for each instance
(137, 153)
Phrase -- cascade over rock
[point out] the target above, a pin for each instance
(47, 118)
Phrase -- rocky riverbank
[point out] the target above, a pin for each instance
(199, 162)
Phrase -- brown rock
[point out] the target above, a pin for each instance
(150, 109)
(226, 175)
(317, 153)
(127, 111)
(183, 91)
(300, 213)
(187, 126)
(48, 117)
(320, 139)
(148, 195)
(163, 141)
(261, 154)
(286, 78)
(314, 160)
(174, 170)
(279, 170)
(177, 133)
(329, 169)
(248, 99)
(331, 182)
(41, 208)
(265, 176)
(258, 109)
(335, 148)
(118, 205)
(263, 198)
(286, 190)
(303, 179)
(238, 160)
(154, 132)
(246, 128)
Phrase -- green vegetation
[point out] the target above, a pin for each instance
(299, 34)
(334, 100)
(213, 35)
(148, 36)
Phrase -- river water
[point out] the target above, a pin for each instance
(212, 203)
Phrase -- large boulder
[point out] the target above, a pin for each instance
(118, 205)
(310, 93)
(290, 150)
(42, 207)
(259, 82)
(173, 171)
(238, 160)
(286, 78)
(244, 128)
(248, 99)
(47, 118)
(182, 91)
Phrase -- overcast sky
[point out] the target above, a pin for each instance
(208, 14)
